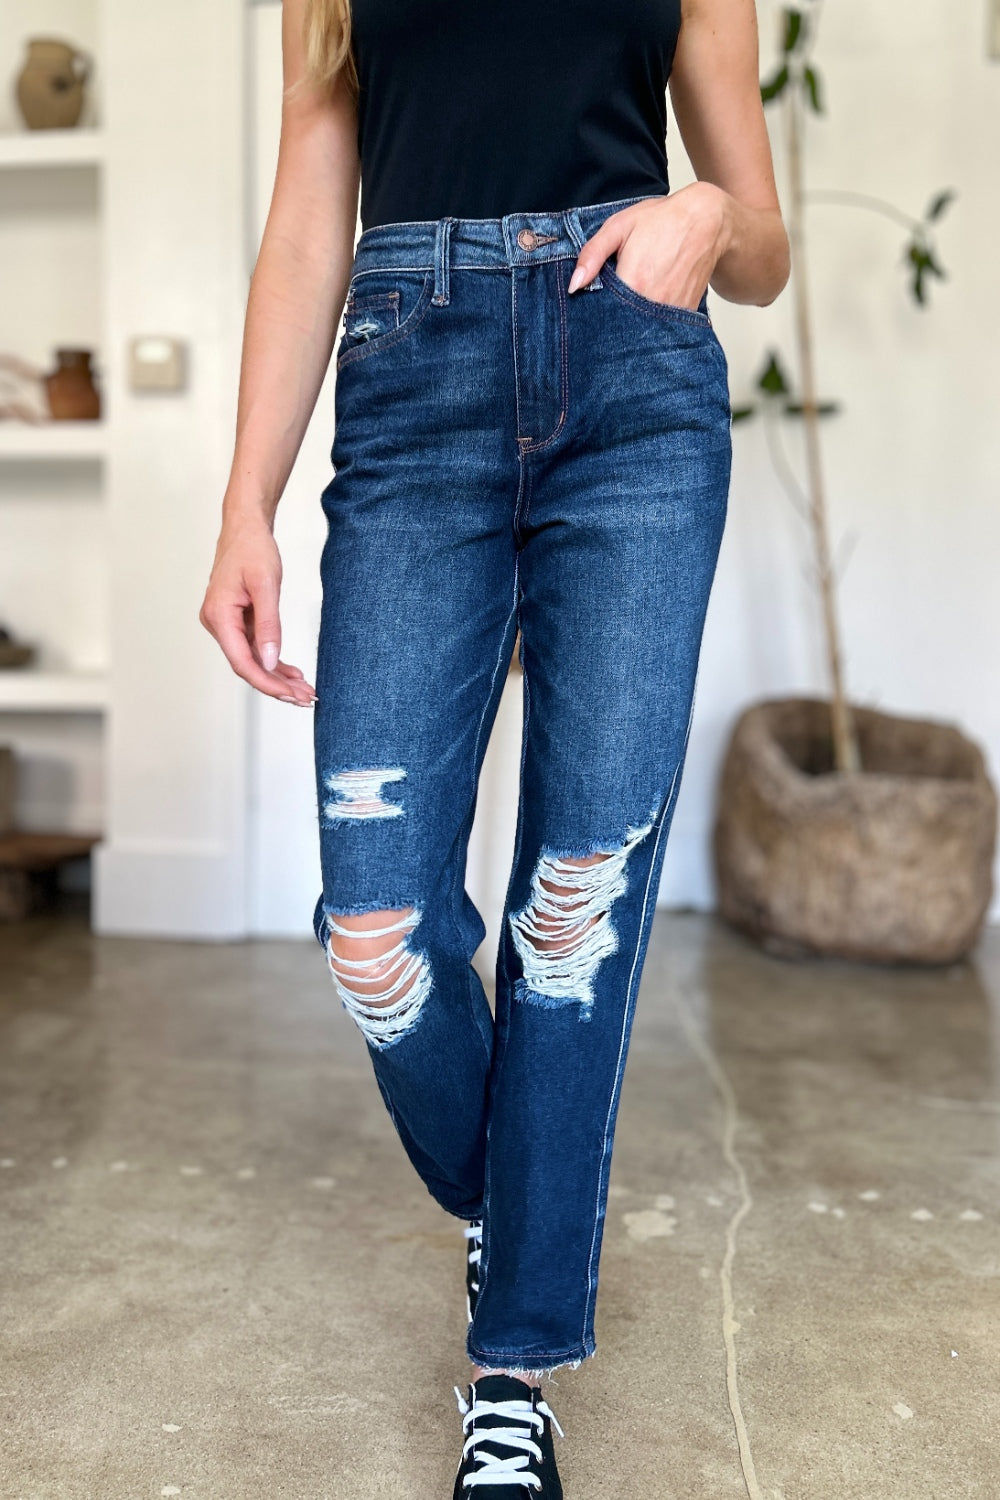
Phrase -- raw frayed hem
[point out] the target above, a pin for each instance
(533, 1374)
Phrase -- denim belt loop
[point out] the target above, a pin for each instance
(578, 237)
(442, 237)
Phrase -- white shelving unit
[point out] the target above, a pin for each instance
(131, 224)
(46, 441)
(23, 690)
(53, 474)
(52, 148)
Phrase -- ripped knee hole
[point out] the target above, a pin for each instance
(565, 930)
(381, 980)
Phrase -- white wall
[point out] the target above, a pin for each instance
(912, 462)
(283, 858)
(174, 861)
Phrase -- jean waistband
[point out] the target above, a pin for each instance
(450, 243)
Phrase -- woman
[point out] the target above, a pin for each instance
(532, 431)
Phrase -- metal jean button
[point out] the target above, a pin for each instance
(529, 240)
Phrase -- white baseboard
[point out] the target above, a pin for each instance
(169, 890)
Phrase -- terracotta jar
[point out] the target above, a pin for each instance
(52, 83)
(71, 390)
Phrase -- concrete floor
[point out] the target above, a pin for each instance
(212, 1245)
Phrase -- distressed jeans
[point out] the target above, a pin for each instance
(508, 456)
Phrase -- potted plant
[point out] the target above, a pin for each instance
(840, 829)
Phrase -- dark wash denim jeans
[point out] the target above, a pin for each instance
(507, 455)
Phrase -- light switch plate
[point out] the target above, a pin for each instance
(156, 363)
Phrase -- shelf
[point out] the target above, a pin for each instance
(52, 148)
(23, 690)
(52, 439)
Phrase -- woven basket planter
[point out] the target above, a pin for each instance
(893, 864)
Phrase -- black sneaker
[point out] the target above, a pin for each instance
(474, 1234)
(508, 1452)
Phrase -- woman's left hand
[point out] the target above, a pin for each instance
(666, 248)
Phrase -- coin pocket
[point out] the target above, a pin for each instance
(381, 308)
(368, 317)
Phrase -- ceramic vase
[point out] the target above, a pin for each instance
(51, 85)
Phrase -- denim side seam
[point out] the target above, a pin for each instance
(665, 820)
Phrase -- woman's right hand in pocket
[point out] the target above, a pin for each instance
(240, 609)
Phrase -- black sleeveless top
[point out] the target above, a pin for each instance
(480, 108)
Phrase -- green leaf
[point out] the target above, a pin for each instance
(741, 413)
(775, 85)
(810, 78)
(772, 382)
(939, 204)
(924, 262)
(793, 29)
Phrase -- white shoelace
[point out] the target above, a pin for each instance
(475, 1233)
(513, 1470)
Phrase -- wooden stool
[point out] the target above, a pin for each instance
(29, 869)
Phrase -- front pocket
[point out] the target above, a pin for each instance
(666, 310)
(382, 308)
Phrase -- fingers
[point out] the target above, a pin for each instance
(240, 610)
(227, 621)
(296, 689)
(228, 624)
(266, 633)
(604, 242)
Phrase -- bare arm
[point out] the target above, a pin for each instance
(715, 92)
(296, 296)
(725, 230)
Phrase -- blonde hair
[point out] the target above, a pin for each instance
(326, 34)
